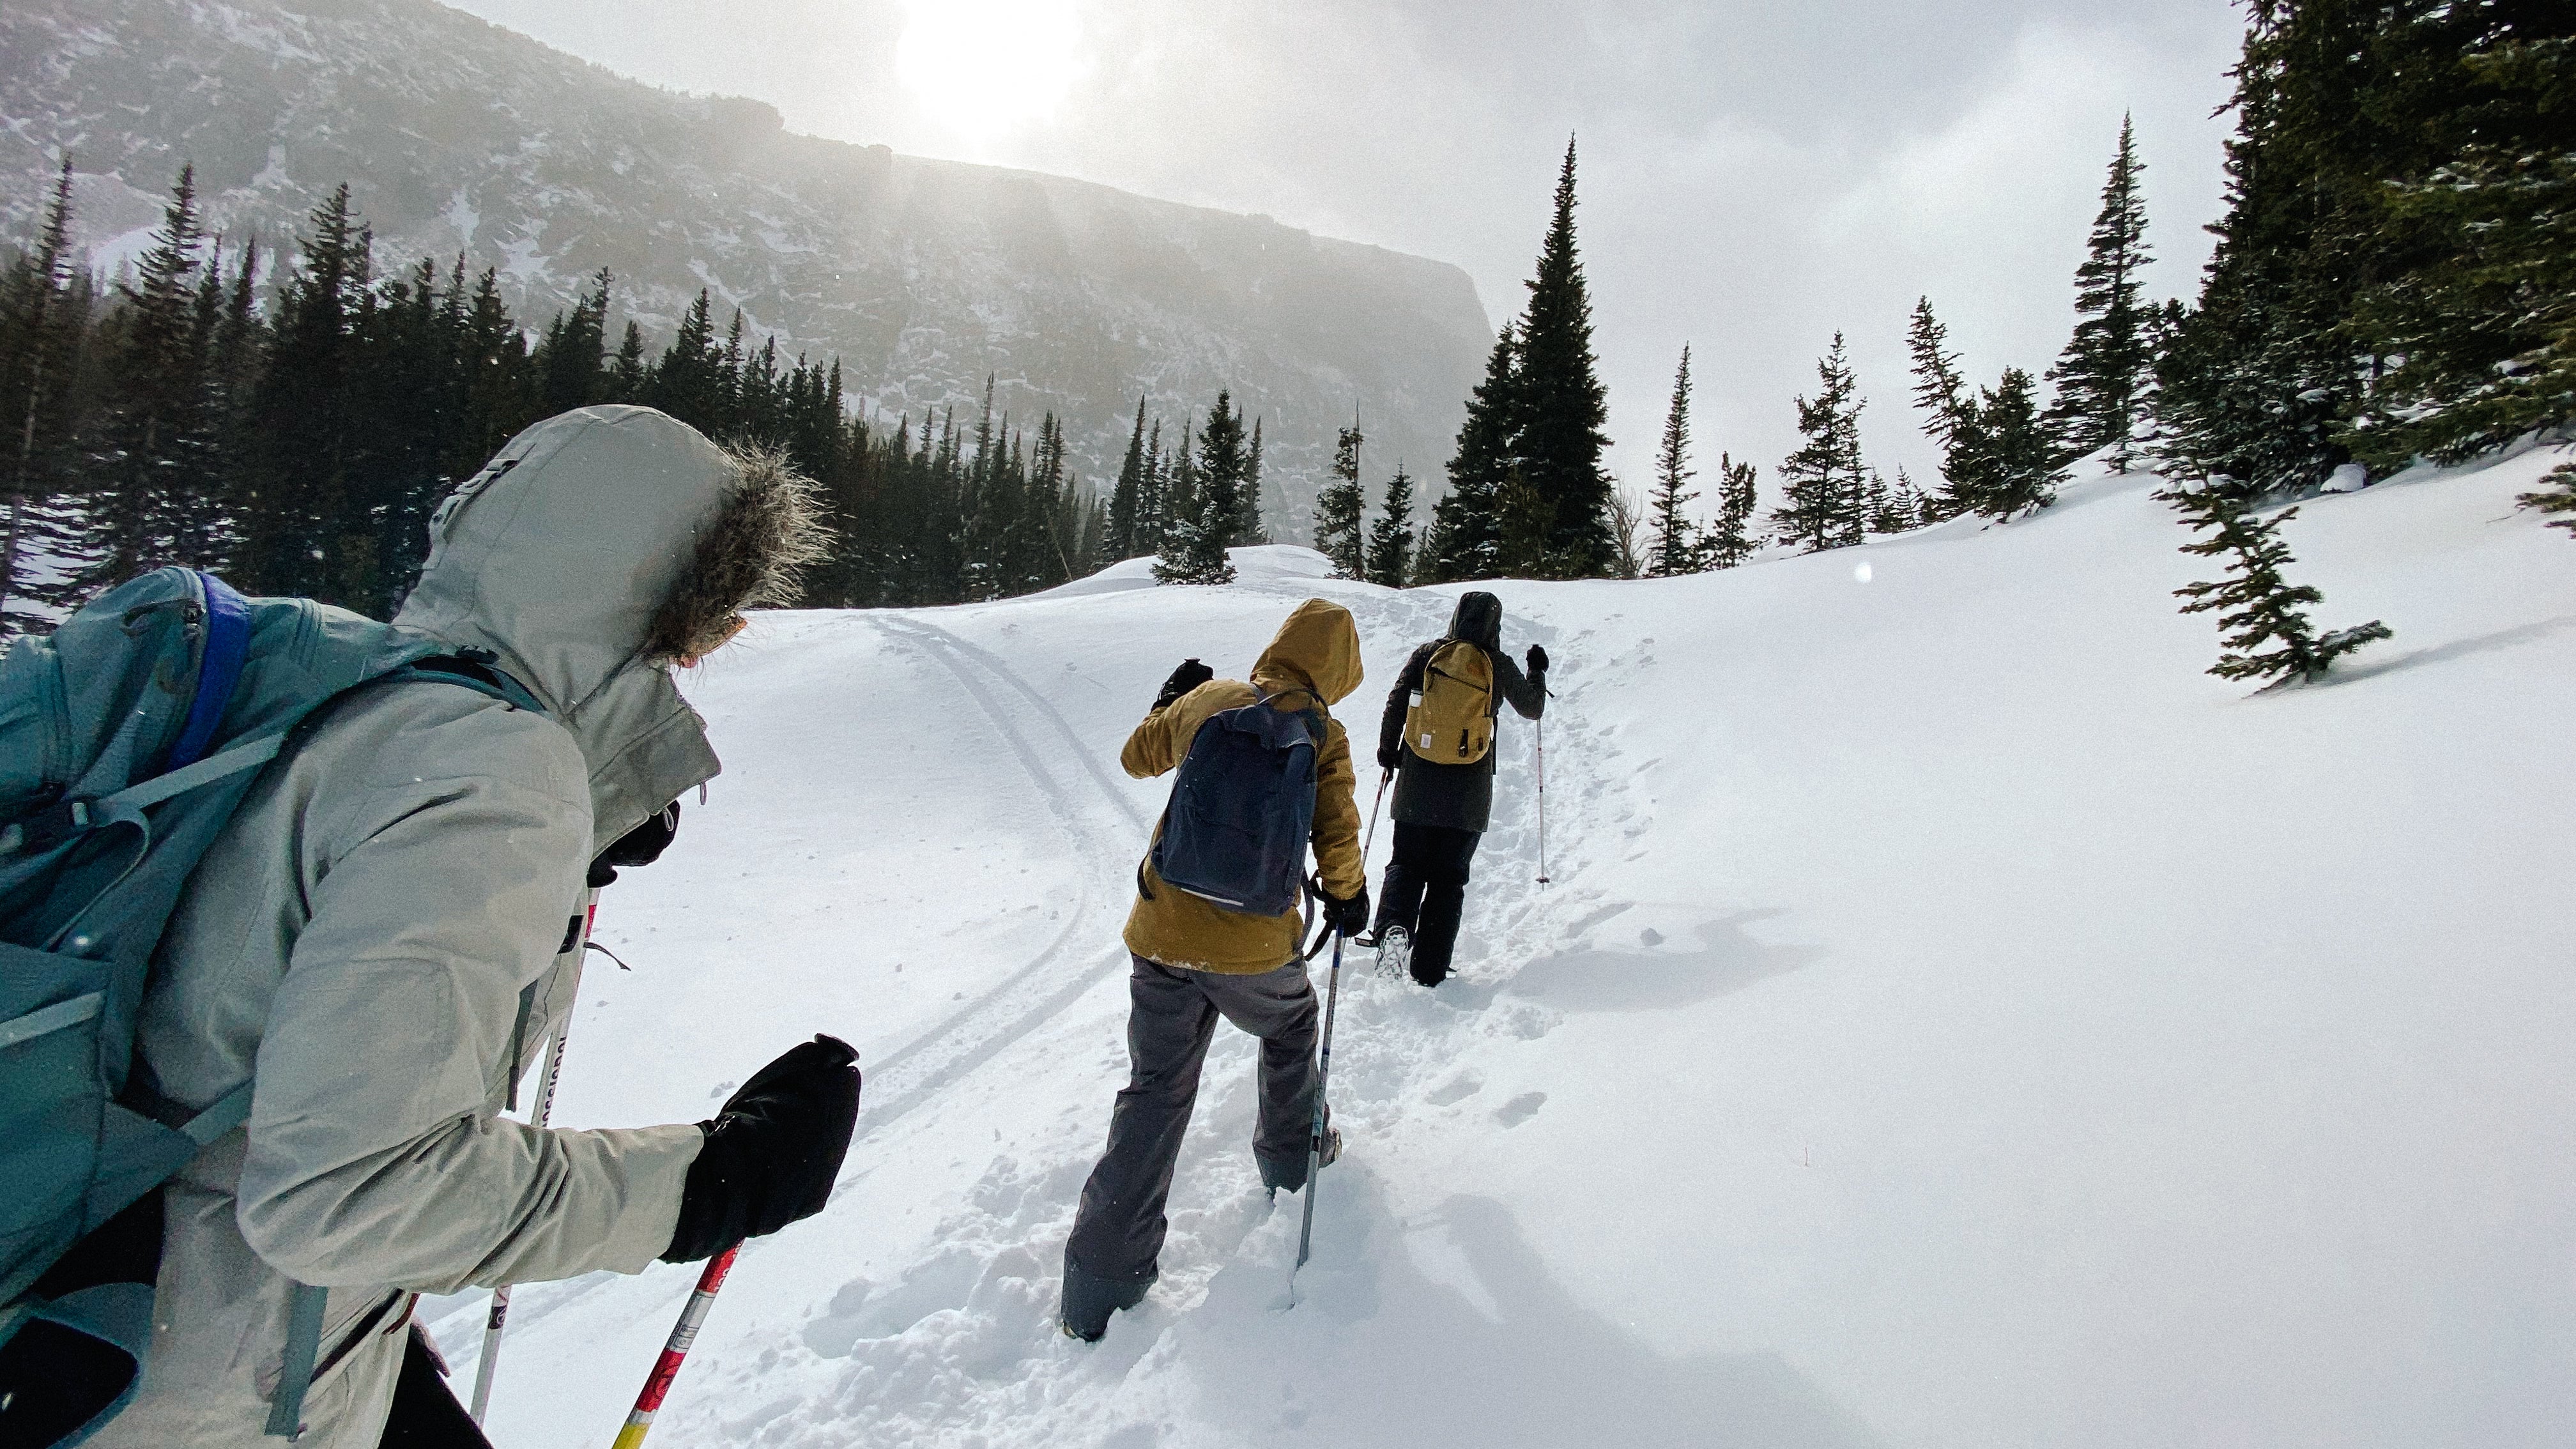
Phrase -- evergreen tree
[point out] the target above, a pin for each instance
(307, 526)
(1731, 542)
(1559, 403)
(2479, 338)
(1248, 529)
(630, 377)
(1194, 546)
(1127, 496)
(1466, 525)
(150, 496)
(1524, 519)
(1938, 389)
(2102, 378)
(41, 334)
(2556, 494)
(1390, 547)
(570, 363)
(2266, 632)
(1150, 511)
(1824, 484)
(1676, 547)
(2007, 464)
(1341, 508)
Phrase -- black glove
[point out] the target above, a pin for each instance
(1347, 917)
(642, 845)
(1537, 660)
(1189, 676)
(1388, 759)
(772, 1153)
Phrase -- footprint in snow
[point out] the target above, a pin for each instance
(1520, 1109)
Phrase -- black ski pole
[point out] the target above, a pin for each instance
(1315, 1135)
(1542, 798)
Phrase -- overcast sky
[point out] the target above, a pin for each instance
(1755, 174)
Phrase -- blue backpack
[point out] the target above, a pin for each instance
(127, 739)
(1242, 810)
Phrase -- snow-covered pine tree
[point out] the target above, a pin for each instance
(1128, 492)
(1676, 547)
(1730, 541)
(1891, 509)
(1467, 524)
(2266, 634)
(1390, 546)
(1341, 509)
(1560, 403)
(2556, 494)
(1824, 484)
(2101, 379)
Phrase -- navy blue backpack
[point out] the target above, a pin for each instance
(1242, 809)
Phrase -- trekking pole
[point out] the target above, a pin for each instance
(1541, 723)
(1315, 1135)
(667, 1367)
(489, 1363)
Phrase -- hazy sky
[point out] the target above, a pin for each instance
(1754, 176)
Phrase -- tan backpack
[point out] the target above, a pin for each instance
(1450, 720)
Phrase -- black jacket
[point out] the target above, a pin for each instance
(1460, 797)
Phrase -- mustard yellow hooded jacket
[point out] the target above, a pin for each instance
(1314, 662)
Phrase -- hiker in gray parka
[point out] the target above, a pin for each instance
(385, 934)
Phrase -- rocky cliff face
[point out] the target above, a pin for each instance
(922, 276)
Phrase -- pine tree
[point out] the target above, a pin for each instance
(2101, 379)
(1824, 484)
(1939, 391)
(1676, 547)
(1127, 495)
(1194, 548)
(2266, 633)
(630, 377)
(1467, 523)
(1890, 510)
(2007, 461)
(1731, 542)
(1249, 531)
(1560, 405)
(41, 332)
(1524, 519)
(1390, 547)
(150, 497)
(2556, 494)
(1341, 509)
(308, 526)
(569, 363)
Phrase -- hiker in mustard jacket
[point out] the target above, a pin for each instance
(1194, 960)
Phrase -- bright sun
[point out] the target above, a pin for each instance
(984, 66)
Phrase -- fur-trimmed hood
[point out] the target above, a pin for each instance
(592, 551)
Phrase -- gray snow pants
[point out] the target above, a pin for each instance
(1118, 1231)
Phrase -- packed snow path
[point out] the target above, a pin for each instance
(1956, 1020)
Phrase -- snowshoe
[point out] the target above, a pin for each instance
(1394, 952)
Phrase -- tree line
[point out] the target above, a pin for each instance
(293, 426)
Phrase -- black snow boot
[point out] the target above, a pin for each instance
(1089, 1300)
(1289, 1174)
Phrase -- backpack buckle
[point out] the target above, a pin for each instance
(47, 828)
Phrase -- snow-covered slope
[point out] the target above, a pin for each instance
(922, 276)
(1955, 1020)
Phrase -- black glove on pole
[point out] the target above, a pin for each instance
(773, 1151)
(1348, 916)
(1537, 658)
(1189, 676)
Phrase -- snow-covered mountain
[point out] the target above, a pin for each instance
(923, 276)
(1955, 1020)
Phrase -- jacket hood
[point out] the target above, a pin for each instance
(1318, 648)
(1478, 621)
(592, 549)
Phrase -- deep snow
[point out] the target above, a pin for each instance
(1956, 1020)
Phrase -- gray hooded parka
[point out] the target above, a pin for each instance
(380, 933)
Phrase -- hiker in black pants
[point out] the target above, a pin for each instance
(1438, 731)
